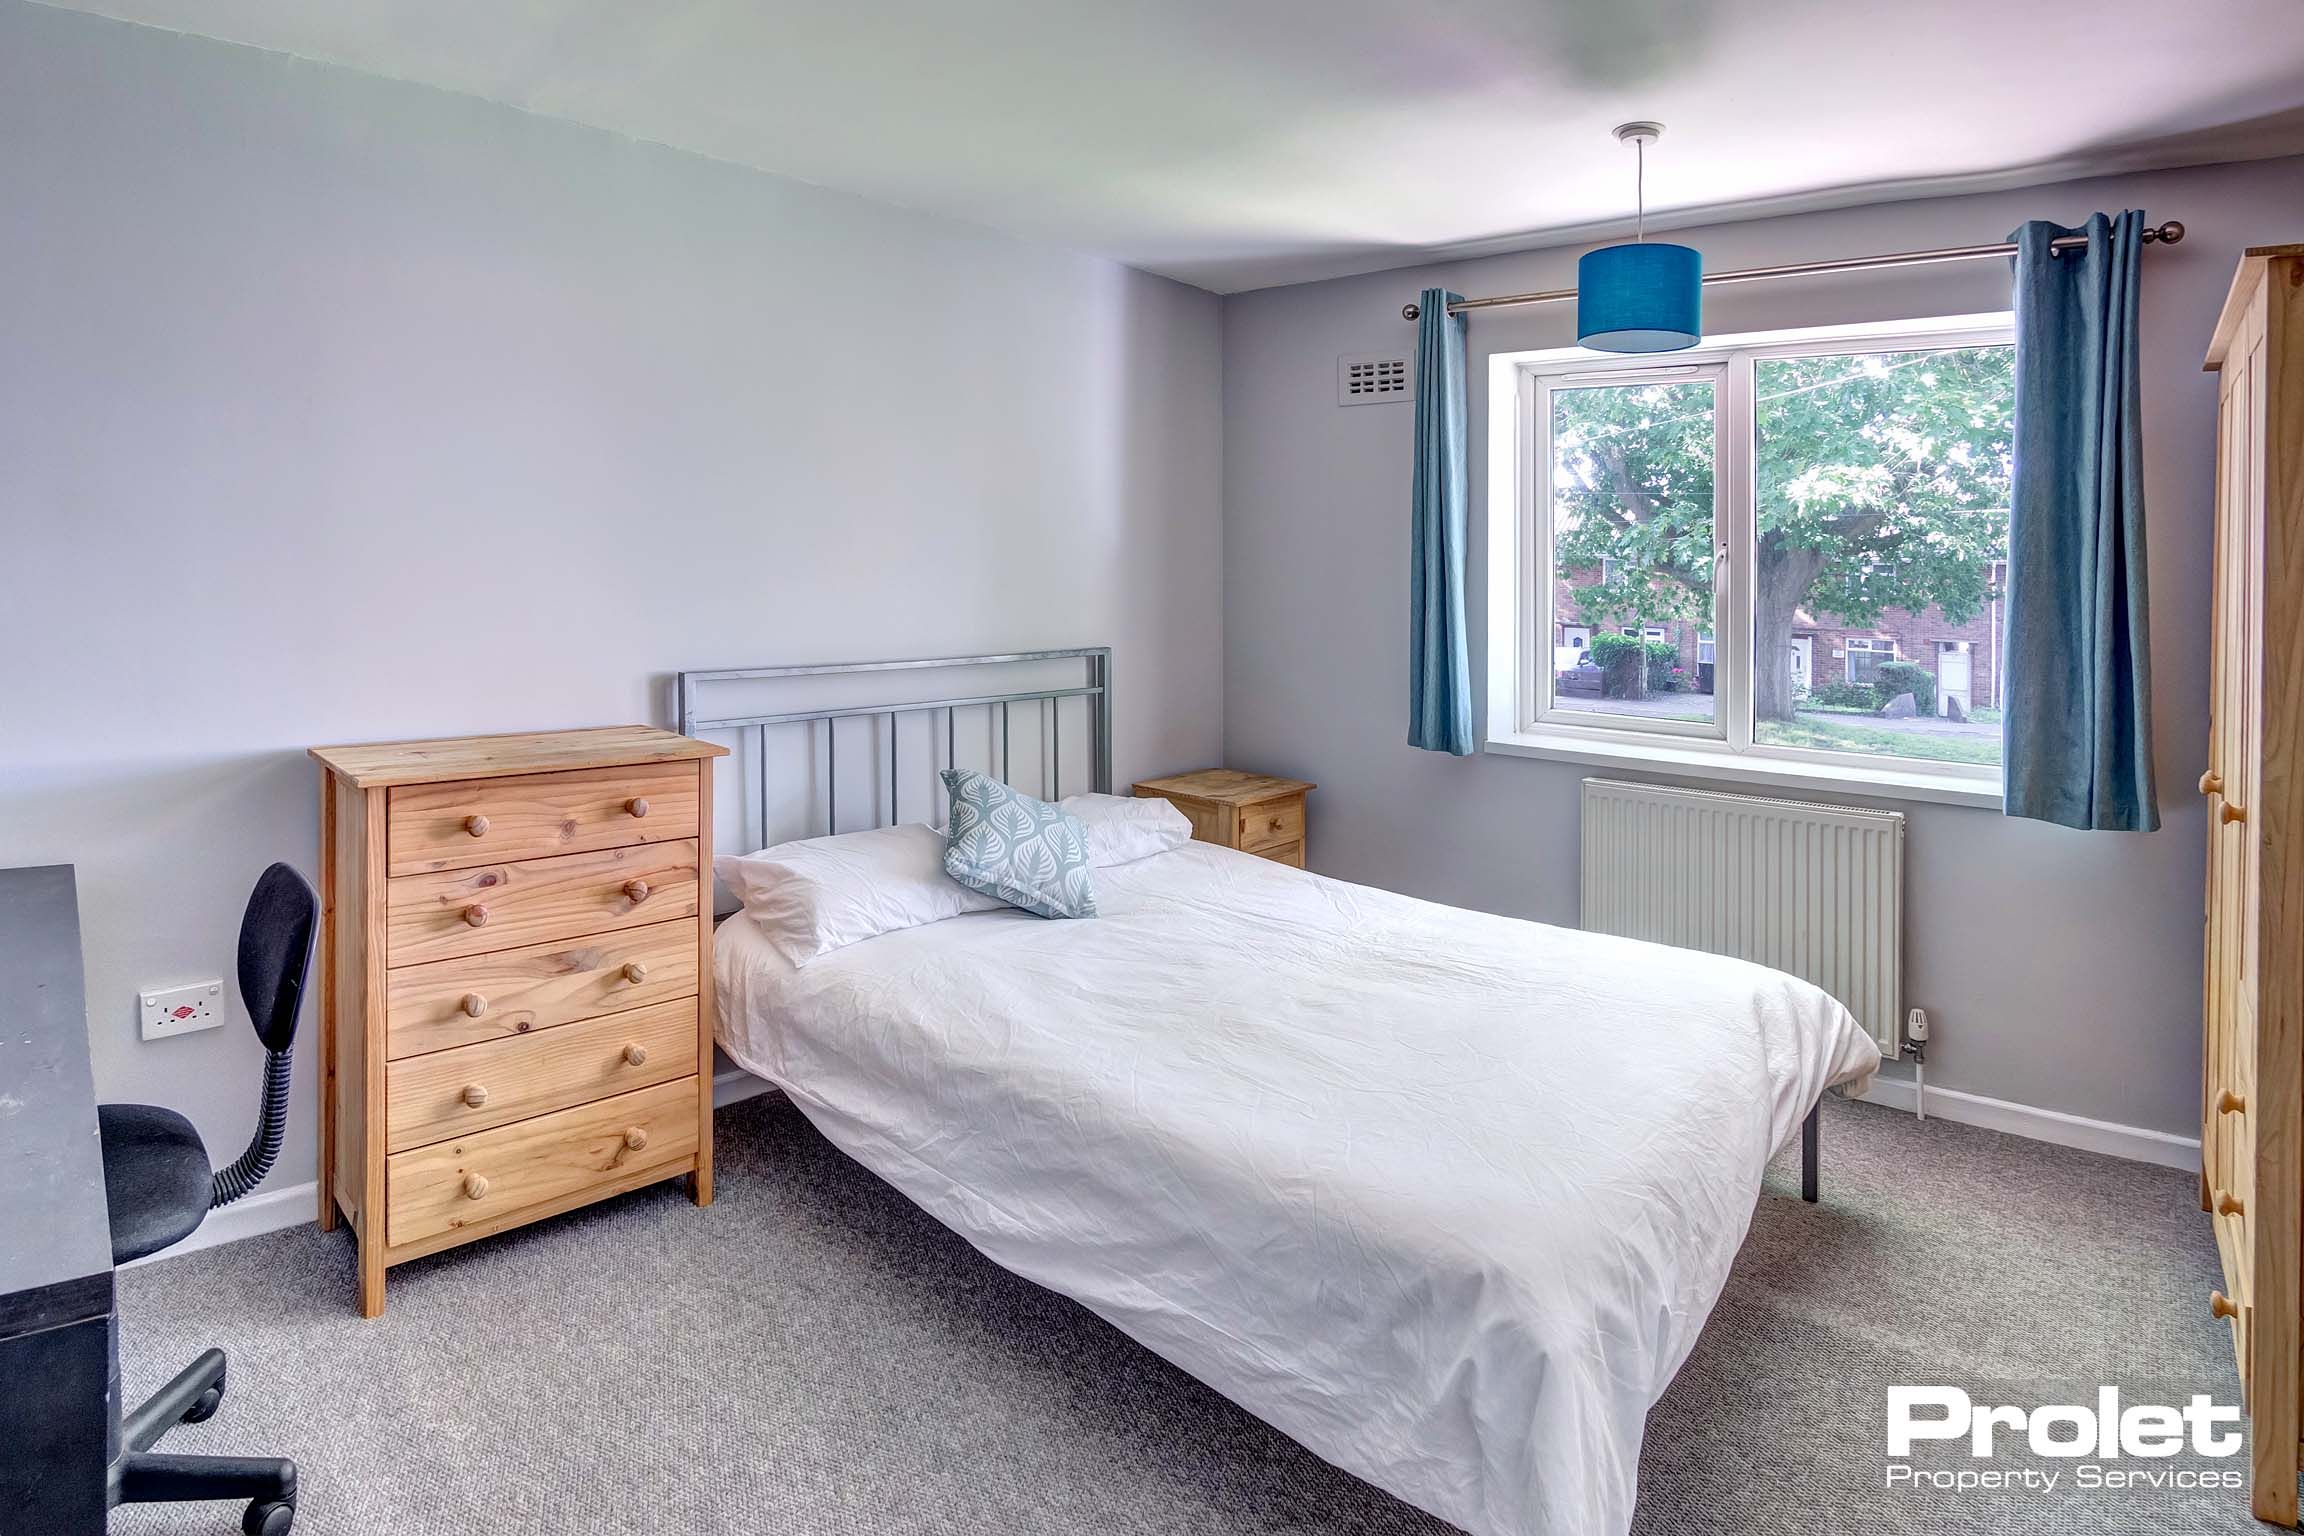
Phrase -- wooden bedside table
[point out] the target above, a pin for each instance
(1248, 811)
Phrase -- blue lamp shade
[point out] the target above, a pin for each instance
(1640, 298)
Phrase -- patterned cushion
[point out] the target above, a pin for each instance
(1024, 851)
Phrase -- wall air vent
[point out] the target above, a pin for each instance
(1373, 378)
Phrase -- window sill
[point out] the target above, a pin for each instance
(1663, 756)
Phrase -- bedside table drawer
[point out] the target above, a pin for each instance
(1272, 824)
(479, 1179)
(515, 992)
(505, 906)
(476, 1087)
(1290, 854)
(533, 816)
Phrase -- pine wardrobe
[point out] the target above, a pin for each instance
(2253, 976)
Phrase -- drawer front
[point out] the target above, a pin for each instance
(490, 821)
(490, 1174)
(1290, 854)
(506, 906)
(453, 1093)
(1272, 824)
(514, 992)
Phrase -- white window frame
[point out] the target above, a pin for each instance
(1521, 719)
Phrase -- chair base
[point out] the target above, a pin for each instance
(141, 1475)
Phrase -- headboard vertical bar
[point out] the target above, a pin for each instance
(832, 777)
(1101, 665)
(1056, 757)
(759, 734)
(895, 784)
(1004, 777)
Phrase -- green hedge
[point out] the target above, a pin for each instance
(1614, 655)
(1907, 677)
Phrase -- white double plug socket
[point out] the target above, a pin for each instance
(180, 1010)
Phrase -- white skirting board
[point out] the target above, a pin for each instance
(267, 1210)
(2130, 1141)
(271, 1210)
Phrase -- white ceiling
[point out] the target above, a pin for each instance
(1240, 143)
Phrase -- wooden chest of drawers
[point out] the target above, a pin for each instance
(1248, 811)
(516, 996)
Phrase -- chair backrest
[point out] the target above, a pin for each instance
(276, 953)
(275, 956)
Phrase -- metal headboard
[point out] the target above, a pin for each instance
(740, 700)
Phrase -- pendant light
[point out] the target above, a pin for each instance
(1640, 297)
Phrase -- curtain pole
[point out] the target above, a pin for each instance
(2167, 233)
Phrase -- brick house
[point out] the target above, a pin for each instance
(1964, 658)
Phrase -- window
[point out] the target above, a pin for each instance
(1786, 550)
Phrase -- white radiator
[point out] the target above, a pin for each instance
(1816, 890)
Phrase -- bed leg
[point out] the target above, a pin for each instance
(1808, 1154)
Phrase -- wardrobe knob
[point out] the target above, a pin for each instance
(476, 915)
(636, 1055)
(475, 1095)
(2230, 1103)
(636, 1138)
(2211, 782)
(474, 1004)
(636, 806)
(475, 1186)
(2229, 1205)
(2232, 813)
(635, 972)
(476, 825)
(636, 891)
(2221, 1305)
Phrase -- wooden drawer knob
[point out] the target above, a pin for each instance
(2228, 1204)
(475, 1186)
(636, 1055)
(636, 1138)
(474, 1004)
(476, 825)
(476, 915)
(636, 806)
(2211, 782)
(2230, 1103)
(635, 972)
(2221, 1305)
(636, 891)
(475, 1095)
(2229, 812)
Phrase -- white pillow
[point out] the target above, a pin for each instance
(825, 893)
(1122, 829)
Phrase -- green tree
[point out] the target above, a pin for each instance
(1881, 482)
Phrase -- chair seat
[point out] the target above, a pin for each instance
(156, 1177)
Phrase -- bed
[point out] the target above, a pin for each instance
(1444, 1196)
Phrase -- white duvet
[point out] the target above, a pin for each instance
(1444, 1196)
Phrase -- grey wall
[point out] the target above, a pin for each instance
(2062, 969)
(337, 409)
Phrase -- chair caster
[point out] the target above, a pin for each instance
(267, 1518)
(204, 1406)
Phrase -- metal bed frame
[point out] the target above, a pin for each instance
(689, 688)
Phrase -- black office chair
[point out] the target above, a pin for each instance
(157, 1186)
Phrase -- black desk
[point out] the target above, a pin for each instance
(55, 1241)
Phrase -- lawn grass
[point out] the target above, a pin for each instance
(1835, 734)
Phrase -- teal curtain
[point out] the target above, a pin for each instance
(1439, 665)
(2078, 725)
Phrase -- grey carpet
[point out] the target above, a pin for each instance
(814, 1355)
